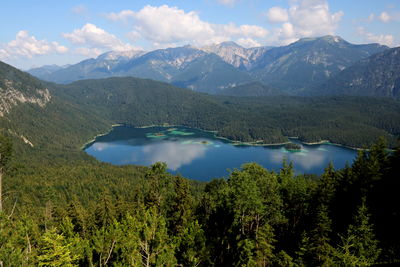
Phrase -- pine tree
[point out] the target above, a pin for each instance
(359, 247)
(54, 251)
(319, 247)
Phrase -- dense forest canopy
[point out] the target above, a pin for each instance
(64, 208)
(90, 213)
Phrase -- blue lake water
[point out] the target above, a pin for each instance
(200, 155)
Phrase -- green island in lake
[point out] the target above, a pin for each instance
(292, 147)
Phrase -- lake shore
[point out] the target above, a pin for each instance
(233, 142)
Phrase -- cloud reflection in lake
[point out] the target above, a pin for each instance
(173, 153)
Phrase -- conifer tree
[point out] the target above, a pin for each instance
(54, 251)
(359, 247)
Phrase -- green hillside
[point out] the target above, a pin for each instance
(64, 208)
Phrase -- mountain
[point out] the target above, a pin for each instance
(251, 89)
(17, 87)
(310, 61)
(100, 67)
(45, 70)
(210, 74)
(378, 75)
(183, 66)
(236, 55)
(161, 65)
(293, 69)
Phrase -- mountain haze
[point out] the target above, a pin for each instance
(310, 61)
(294, 69)
(378, 75)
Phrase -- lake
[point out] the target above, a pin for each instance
(202, 156)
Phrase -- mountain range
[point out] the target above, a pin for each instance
(378, 75)
(305, 67)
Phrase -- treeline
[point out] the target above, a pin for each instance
(352, 121)
(102, 215)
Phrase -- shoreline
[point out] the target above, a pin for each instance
(233, 142)
(85, 145)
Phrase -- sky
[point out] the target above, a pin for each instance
(44, 32)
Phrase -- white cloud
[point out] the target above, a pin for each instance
(164, 25)
(384, 17)
(385, 39)
(277, 14)
(28, 46)
(227, 2)
(95, 40)
(123, 15)
(305, 18)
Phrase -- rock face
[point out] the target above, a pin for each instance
(17, 87)
(237, 56)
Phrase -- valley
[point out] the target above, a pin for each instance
(94, 204)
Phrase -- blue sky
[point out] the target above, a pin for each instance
(38, 32)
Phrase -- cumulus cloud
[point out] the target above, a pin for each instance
(303, 18)
(277, 14)
(385, 39)
(95, 40)
(164, 25)
(28, 46)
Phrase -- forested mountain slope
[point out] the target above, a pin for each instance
(62, 207)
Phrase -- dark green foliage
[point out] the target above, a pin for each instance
(251, 89)
(63, 207)
(255, 218)
(359, 248)
(5, 152)
(345, 120)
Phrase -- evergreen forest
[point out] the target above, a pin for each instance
(61, 207)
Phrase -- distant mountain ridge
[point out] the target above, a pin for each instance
(293, 69)
(378, 75)
(309, 61)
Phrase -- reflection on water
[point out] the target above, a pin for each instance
(173, 153)
(199, 155)
(303, 159)
(101, 146)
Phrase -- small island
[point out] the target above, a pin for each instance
(293, 147)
